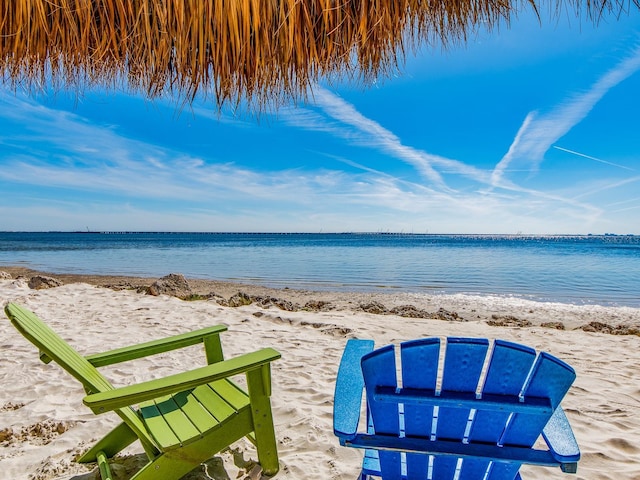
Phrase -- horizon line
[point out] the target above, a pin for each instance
(395, 233)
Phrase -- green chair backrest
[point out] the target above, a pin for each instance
(55, 348)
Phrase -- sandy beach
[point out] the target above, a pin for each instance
(44, 425)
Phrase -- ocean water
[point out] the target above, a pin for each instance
(601, 270)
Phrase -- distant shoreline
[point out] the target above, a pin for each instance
(490, 309)
(472, 235)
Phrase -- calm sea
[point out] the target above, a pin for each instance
(572, 269)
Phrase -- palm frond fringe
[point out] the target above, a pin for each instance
(262, 51)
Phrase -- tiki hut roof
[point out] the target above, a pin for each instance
(262, 51)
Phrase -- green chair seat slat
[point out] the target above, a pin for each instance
(233, 395)
(178, 419)
(198, 414)
(162, 434)
(216, 405)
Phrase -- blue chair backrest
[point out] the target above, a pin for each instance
(507, 373)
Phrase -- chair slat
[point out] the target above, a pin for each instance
(179, 419)
(419, 371)
(170, 409)
(508, 369)
(379, 368)
(371, 462)
(550, 378)
(216, 405)
(195, 412)
(235, 397)
(463, 362)
(158, 427)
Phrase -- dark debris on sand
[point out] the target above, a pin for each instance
(508, 321)
(600, 327)
(232, 295)
(411, 311)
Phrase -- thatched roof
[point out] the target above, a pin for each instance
(259, 50)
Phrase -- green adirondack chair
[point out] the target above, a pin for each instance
(181, 420)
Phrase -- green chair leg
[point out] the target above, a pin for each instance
(103, 466)
(258, 382)
(115, 441)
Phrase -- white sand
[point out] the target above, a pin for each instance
(44, 425)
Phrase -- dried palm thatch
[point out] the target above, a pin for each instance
(262, 51)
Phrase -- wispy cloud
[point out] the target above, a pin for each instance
(593, 158)
(497, 177)
(57, 149)
(64, 152)
(341, 118)
(539, 132)
(62, 167)
(608, 186)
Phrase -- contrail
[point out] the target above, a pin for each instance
(593, 158)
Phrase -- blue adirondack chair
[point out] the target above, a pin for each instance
(471, 412)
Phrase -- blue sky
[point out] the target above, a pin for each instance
(532, 129)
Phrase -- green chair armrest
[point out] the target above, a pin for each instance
(153, 347)
(134, 394)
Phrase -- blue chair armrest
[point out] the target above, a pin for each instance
(561, 441)
(349, 388)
